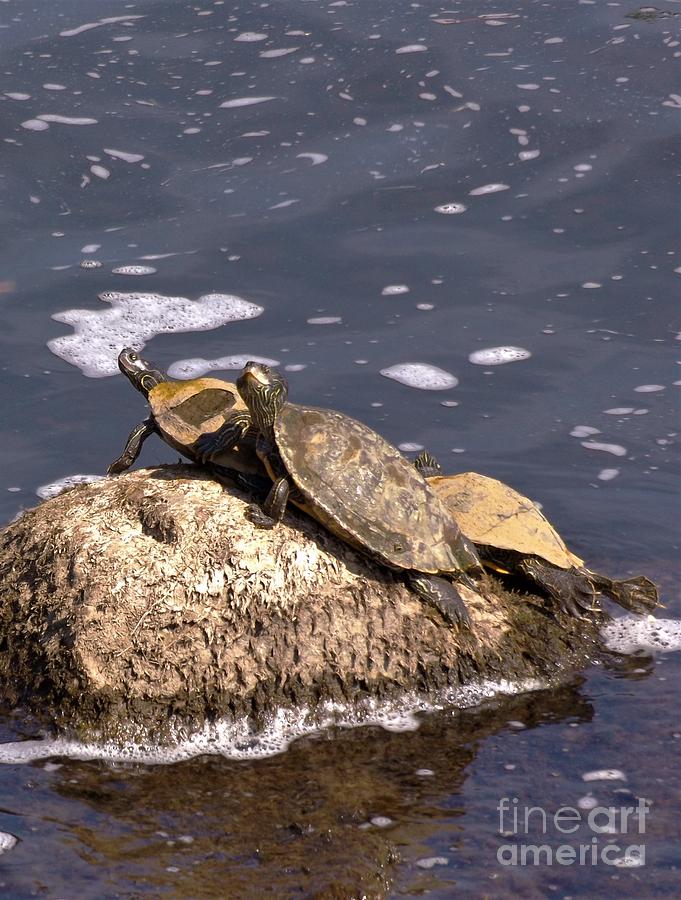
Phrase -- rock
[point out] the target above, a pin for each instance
(140, 603)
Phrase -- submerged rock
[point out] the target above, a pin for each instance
(137, 603)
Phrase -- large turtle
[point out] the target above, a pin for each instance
(513, 536)
(355, 483)
(180, 412)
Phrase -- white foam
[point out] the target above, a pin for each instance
(422, 376)
(54, 488)
(615, 449)
(134, 318)
(498, 356)
(134, 270)
(197, 367)
(409, 447)
(391, 290)
(630, 634)
(488, 189)
(608, 474)
(35, 125)
(648, 388)
(325, 320)
(276, 53)
(412, 48)
(315, 158)
(581, 431)
(619, 411)
(7, 841)
(244, 101)
(100, 172)
(66, 120)
(239, 740)
(111, 20)
(451, 209)
(126, 157)
(604, 775)
(250, 37)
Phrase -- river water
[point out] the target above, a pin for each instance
(345, 188)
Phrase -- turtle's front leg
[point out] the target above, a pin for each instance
(137, 437)
(209, 446)
(272, 511)
(443, 595)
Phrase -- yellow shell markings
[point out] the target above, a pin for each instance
(185, 410)
(363, 490)
(490, 512)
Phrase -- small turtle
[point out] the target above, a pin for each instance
(355, 483)
(513, 536)
(181, 411)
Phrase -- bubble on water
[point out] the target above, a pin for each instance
(526, 155)
(588, 802)
(274, 54)
(90, 264)
(498, 356)
(619, 411)
(615, 449)
(315, 158)
(631, 634)
(429, 862)
(197, 366)
(134, 270)
(100, 172)
(412, 48)
(580, 431)
(608, 474)
(124, 155)
(324, 320)
(54, 87)
(66, 120)
(648, 388)
(134, 318)
(16, 95)
(250, 37)
(90, 248)
(422, 376)
(111, 20)
(410, 447)
(244, 101)
(449, 403)
(591, 285)
(381, 821)
(488, 189)
(604, 775)
(530, 86)
(554, 40)
(34, 125)
(54, 488)
(391, 290)
(424, 773)
(7, 841)
(451, 209)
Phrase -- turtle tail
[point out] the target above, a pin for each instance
(637, 595)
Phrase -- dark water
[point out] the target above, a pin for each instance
(310, 204)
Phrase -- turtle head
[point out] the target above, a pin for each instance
(264, 392)
(139, 372)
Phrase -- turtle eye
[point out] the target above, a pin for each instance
(134, 357)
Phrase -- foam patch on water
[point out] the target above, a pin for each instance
(134, 270)
(7, 841)
(422, 376)
(196, 367)
(240, 741)
(498, 356)
(133, 320)
(632, 633)
(54, 488)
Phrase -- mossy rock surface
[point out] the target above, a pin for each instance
(149, 599)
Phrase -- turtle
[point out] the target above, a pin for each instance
(356, 484)
(180, 412)
(513, 536)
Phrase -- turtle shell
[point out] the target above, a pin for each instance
(361, 488)
(186, 410)
(490, 512)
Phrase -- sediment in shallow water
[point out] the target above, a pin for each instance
(136, 604)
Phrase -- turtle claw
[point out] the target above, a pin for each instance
(443, 595)
(257, 517)
(572, 590)
(638, 595)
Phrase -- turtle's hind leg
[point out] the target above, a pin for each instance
(441, 594)
(571, 589)
(272, 510)
(637, 595)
